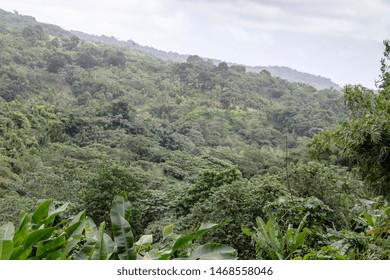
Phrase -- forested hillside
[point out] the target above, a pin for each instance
(283, 72)
(203, 147)
(277, 71)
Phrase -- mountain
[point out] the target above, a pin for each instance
(287, 73)
(292, 75)
(169, 56)
(283, 72)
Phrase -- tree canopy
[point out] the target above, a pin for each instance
(364, 138)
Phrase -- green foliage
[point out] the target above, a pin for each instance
(181, 246)
(102, 189)
(330, 184)
(12, 204)
(6, 245)
(364, 137)
(56, 61)
(274, 243)
(120, 215)
(368, 237)
(208, 181)
(40, 235)
(291, 210)
(241, 202)
(45, 235)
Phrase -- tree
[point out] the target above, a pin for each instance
(365, 137)
(71, 43)
(118, 59)
(33, 34)
(86, 60)
(102, 189)
(56, 61)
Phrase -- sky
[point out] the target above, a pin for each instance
(338, 39)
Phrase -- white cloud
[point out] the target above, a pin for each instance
(364, 19)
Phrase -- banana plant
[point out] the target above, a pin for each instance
(121, 229)
(272, 243)
(181, 246)
(6, 240)
(100, 246)
(40, 236)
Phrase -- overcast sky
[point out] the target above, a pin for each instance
(338, 39)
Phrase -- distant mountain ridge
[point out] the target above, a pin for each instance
(293, 75)
(283, 72)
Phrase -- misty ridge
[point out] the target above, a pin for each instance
(289, 74)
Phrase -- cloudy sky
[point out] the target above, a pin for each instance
(338, 39)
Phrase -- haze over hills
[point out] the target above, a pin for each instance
(283, 72)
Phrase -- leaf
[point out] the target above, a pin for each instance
(370, 220)
(100, 251)
(74, 234)
(20, 253)
(151, 255)
(213, 251)
(208, 227)
(90, 228)
(121, 229)
(20, 236)
(23, 221)
(145, 239)
(6, 247)
(56, 255)
(185, 239)
(70, 244)
(268, 239)
(181, 242)
(167, 231)
(123, 206)
(53, 212)
(38, 235)
(77, 218)
(109, 244)
(272, 230)
(46, 247)
(7, 231)
(6, 240)
(247, 232)
(87, 250)
(164, 254)
(41, 213)
(58, 210)
(21, 231)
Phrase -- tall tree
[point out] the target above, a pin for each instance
(365, 137)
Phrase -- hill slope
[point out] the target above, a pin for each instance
(287, 73)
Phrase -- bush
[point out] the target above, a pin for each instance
(101, 190)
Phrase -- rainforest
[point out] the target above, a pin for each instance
(107, 152)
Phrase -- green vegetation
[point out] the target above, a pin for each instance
(48, 234)
(241, 165)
